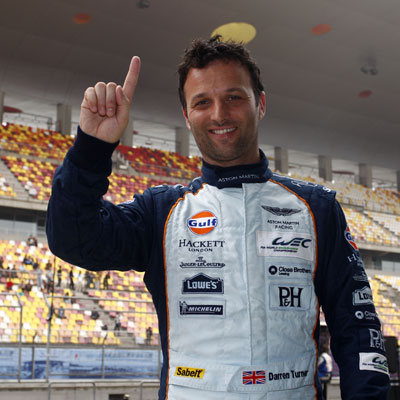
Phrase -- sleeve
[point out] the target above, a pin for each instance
(346, 298)
(85, 230)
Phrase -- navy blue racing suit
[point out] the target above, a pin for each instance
(238, 263)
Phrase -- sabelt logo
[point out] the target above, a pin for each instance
(202, 223)
(187, 372)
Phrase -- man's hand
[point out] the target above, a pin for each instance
(105, 107)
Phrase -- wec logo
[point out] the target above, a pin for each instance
(296, 242)
(202, 222)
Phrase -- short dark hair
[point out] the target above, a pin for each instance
(202, 52)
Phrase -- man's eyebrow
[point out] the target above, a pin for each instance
(204, 94)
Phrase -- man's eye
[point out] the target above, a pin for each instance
(234, 97)
(201, 103)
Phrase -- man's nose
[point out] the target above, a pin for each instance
(220, 111)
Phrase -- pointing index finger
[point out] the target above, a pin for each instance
(132, 78)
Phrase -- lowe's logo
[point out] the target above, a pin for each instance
(362, 296)
(202, 283)
(295, 242)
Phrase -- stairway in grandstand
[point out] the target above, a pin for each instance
(386, 299)
(88, 303)
(391, 293)
(19, 192)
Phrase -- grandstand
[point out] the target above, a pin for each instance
(40, 306)
(27, 166)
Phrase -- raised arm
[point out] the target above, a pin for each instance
(82, 228)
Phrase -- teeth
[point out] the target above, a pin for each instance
(222, 131)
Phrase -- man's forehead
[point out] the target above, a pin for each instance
(227, 75)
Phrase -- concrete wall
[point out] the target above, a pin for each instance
(78, 390)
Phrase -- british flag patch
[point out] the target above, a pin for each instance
(253, 377)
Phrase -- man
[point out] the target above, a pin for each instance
(239, 261)
(324, 368)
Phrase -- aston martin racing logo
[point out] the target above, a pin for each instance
(282, 212)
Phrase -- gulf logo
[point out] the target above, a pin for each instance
(350, 239)
(202, 222)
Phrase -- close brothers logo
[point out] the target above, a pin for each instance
(202, 223)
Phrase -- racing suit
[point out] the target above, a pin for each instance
(238, 264)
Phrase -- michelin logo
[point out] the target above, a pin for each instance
(216, 309)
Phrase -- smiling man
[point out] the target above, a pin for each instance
(223, 113)
(239, 261)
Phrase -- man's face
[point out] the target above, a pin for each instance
(222, 113)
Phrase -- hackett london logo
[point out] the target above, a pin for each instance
(202, 223)
(201, 245)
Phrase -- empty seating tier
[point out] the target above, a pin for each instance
(160, 162)
(42, 143)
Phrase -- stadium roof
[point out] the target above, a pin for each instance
(49, 55)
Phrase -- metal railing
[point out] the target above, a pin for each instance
(35, 366)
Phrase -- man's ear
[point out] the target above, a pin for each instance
(184, 112)
(262, 106)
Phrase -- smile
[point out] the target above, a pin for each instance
(222, 131)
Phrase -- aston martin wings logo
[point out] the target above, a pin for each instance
(281, 211)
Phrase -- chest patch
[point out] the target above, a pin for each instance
(297, 245)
